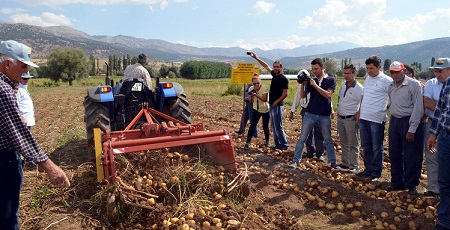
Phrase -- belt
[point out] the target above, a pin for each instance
(345, 117)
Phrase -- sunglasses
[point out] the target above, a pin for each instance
(256, 83)
(25, 79)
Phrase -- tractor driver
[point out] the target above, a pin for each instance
(138, 71)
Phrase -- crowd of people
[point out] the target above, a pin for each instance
(419, 123)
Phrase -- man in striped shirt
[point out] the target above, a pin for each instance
(440, 130)
(15, 137)
(372, 117)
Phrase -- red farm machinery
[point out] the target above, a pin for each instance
(129, 117)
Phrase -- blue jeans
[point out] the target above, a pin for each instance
(308, 123)
(314, 143)
(276, 120)
(246, 117)
(372, 135)
(443, 154)
(11, 176)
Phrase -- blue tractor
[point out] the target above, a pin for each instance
(112, 107)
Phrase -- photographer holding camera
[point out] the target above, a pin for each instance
(278, 92)
(318, 112)
(258, 96)
(314, 143)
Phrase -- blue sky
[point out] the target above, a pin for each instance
(268, 24)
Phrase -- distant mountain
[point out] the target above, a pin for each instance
(421, 51)
(45, 39)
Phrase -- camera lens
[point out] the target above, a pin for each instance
(249, 53)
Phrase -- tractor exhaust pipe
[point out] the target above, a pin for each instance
(108, 79)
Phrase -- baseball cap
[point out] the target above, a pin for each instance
(441, 63)
(17, 51)
(396, 66)
(26, 75)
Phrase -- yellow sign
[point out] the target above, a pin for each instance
(242, 72)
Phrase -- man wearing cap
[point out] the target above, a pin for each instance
(405, 130)
(440, 132)
(15, 137)
(372, 118)
(431, 94)
(24, 101)
(138, 71)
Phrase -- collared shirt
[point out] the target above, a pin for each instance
(432, 90)
(442, 111)
(298, 100)
(407, 100)
(14, 135)
(349, 98)
(25, 103)
(318, 104)
(375, 100)
(137, 71)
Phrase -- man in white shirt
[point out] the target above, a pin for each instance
(138, 71)
(372, 117)
(349, 102)
(24, 101)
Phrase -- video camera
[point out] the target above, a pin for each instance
(302, 76)
(252, 92)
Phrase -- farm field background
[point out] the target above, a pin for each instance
(314, 197)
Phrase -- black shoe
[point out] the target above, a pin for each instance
(412, 191)
(308, 155)
(335, 166)
(363, 174)
(238, 131)
(343, 166)
(430, 193)
(279, 148)
(391, 188)
(440, 227)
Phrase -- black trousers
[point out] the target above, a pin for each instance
(406, 157)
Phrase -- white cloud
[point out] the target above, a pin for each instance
(366, 23)
(12, 11)
(163, 4)
(45, 19)
(262, 7)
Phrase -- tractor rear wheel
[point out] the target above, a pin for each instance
(178, 108)
(96, 115)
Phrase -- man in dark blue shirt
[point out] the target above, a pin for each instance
(277, 93)
(318, 111)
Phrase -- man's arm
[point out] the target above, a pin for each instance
(281, 98)
(429, 103)
(263, 63)
(325, 93)
(55, 173)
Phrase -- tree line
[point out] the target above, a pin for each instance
(69, 64)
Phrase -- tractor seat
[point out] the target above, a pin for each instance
(136, 92)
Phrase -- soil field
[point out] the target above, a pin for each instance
(193, 194)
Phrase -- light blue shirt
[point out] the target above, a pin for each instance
(25, 104)
(432, 90)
